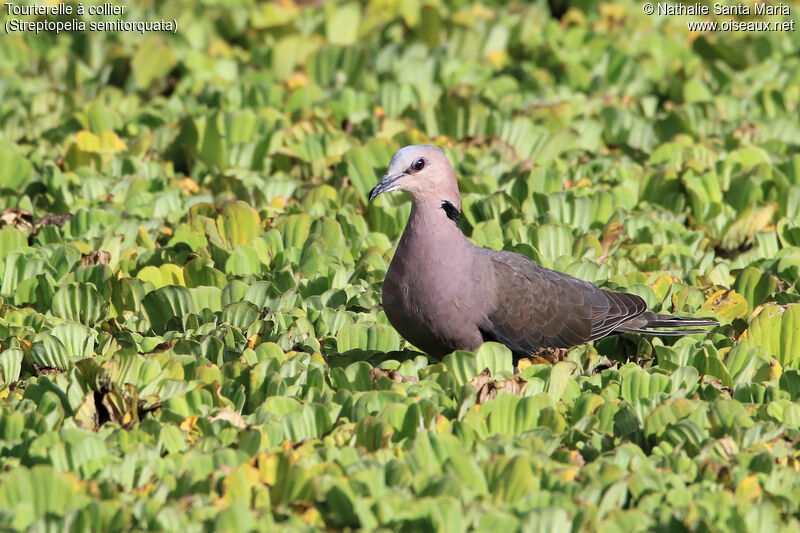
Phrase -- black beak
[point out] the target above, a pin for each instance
(386, 184)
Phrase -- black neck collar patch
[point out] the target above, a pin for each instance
(452, 213)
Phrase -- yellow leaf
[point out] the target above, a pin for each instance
(312, 517)
(188, 423)
(662, 284)
(497, 58)
(127, 255)
(220, 48)
(26, 346)
(278, 201)
(82, 246)
(297, 80)
(107, 141)
(238, 484)
(727, 304)
(749, 488)
(267, 464)
(252, 341)
(749, 222)
(110, 142)
(87, 141)
(442, 424)
(143, 238)
(770, 372)
(522, 364)
(573, 17)
(188, 186)
(614, 11)
(163, 275)
(566, 474)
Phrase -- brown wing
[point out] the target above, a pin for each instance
(539, 308)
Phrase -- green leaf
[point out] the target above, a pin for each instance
(492, 355)
(638, 384)
(200, 272)
(78, 340)
(166, 274)
(550, 521)
(50, 352)
(777, 329)
(18, 268)
(238, 224)
(558, 379)
(80, 302)
(666, 414)
(696, 91)
(240, 314)
(311, 421)
(10, 365)
(368, 337)
(295, 230)
(747, 225)
(514, 415)
(468, 471)
(341, 23)
(727, 417)
(36, 492)
(153, 60)
(755, 286)
(205, 298)
(516, 482)
(554, 241)
(167, 302)
(244, 261)
(11, 239)
(14, 169)
(366, 164)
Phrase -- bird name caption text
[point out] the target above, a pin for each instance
(36, 19)
(738, 12)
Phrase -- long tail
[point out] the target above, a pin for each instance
(645, 323)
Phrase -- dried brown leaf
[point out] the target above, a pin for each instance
(52, 220)
(488, 388)
(481, 379)
(87, 417)
(16, 218)
(549, 355)
(515, 385)
(97, 257)
(612, 233)
(392, 375)
(231, 416)
(46, 370)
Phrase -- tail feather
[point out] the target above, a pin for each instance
(645, 323)
(660, 332)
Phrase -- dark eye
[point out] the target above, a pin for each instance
(418, 165)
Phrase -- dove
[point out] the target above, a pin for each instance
(443, 293)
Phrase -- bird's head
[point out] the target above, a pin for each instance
(422, 171)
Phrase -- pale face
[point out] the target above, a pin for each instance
(422, 171)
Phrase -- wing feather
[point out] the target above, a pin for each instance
(538, 308)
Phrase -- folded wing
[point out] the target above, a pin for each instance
(538, 308)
